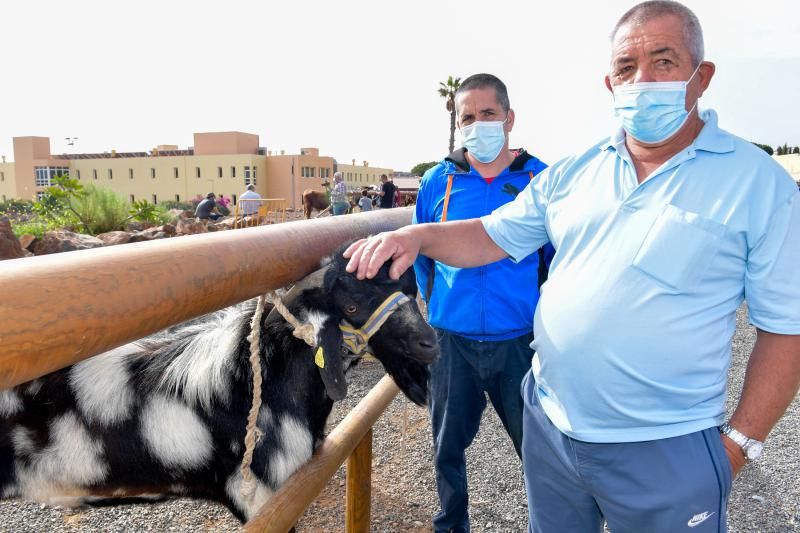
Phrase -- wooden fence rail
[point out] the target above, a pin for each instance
(281, 512)
(59, 309)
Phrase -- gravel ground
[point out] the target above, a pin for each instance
(765, 498)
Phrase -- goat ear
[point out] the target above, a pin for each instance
(328, 358)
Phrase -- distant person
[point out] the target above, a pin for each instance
(250, 207)
(365, 203)
(398, 198)
(207, 209)
(385, 193)
(223, 202)
(339, 203)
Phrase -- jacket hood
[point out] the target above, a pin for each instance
(458, 160)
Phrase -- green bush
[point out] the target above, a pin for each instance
(172, 204)
(101, 210)
(38, 225)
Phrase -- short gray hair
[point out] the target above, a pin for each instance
(647, 11)
(251, 187)
(482, 81)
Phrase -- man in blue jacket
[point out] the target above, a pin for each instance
(482, 315)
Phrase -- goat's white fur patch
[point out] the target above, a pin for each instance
(102, 386)
(33, 387)
(295, 449)
(317, 320)
(10, 403)
(71, 460)
(202, 371)
(248, 507)
(174, 434)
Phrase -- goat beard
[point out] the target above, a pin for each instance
(413, 378)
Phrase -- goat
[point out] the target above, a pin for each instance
(166, 415)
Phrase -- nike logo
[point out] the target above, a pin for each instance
(699, 518)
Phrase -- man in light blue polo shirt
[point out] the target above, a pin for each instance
(660, 233)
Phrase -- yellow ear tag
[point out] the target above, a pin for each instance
(319, 358)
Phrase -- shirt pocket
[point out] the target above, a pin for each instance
(678, 247)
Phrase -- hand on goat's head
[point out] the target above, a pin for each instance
(404, 342)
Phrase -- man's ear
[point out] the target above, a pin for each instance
(328, 358)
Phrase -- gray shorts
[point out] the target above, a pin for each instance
(668, 485)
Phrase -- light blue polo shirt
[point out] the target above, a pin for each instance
(634, 324)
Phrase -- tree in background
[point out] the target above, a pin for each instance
(796, 150)
(767, 148)
(420, 168)
(779, 151)
(447, 90)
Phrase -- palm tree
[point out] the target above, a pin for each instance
(447, 90)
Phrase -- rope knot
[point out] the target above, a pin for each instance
(306, 332)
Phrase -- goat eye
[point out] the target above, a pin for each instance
(352, 308)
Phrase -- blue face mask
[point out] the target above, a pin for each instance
(484, 140)
(652, 112)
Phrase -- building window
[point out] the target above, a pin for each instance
(94, 173)
(219, 172)
(130, 173)
(133, 198)
(4, 197)
(178, 198)
(110, 174)
(234, 199)
(196, 172)
(78, 174)
(247, 175)
(233, 172)
(254, 175)
(152, 172)
(2, 177)
(175, 172)
(45, 175)
(155, 199)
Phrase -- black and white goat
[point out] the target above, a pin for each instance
(166, 415)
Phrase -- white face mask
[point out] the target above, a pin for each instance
(652, 112)
(484, 139)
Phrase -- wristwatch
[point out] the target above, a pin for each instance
(751, 447)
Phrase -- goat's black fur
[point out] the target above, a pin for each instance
(145, 420)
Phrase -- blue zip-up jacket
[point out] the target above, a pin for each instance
(495, 301)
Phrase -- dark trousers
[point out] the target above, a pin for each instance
(466, 371)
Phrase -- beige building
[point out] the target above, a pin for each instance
(220, 162)
(791, 162)
(363, 175)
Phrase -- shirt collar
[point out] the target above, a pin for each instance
(710, 139)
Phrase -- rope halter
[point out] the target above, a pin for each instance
(356, 340)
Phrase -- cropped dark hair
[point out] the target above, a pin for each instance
(482, 81)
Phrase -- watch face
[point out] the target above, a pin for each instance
(754, 450)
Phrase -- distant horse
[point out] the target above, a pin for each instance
(319, 200)
(314, 200)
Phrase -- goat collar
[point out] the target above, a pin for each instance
(356, 340)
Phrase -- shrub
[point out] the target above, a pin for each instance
(101, 210)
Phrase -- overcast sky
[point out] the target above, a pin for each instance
(359, 79)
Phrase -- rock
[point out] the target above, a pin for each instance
(190, 226)
(10, 247)
(141, 236)
(134, 225)
(64, 241)
(26, 240)
(115, 237)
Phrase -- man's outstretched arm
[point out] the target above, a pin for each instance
(461, 243)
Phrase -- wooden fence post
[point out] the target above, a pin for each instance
(359, 487)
